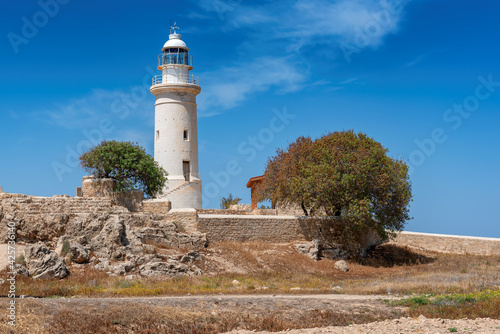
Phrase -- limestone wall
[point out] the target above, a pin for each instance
(262, 228)
(94, 187)
(131, 199)
(258, 212)
(161, 207)
(48, 218)
(58, 204)
(184, 219)
(444, 243)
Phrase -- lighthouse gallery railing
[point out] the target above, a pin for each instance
(160, 79)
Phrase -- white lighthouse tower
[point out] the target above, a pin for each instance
(176, 129)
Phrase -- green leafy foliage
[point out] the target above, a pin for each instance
(341, 174)
(128, 164)
(66, 248)
(226, 202)
(21, 260)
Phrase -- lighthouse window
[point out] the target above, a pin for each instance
(186, 135)
(157, 135)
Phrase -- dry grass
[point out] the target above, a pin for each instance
(143, 318)
(263, 268)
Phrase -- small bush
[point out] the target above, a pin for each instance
(421, 300)
(66, 248)
(21, 260)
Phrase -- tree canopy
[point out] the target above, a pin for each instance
(341, 174)
(128, 164)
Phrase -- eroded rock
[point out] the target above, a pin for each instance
(44, 263)
(68, 246)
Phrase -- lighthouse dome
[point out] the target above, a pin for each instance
(175, 41)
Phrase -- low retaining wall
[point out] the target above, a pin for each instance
(444, 243)
(256, 212)
(186, 219)
(274, 229)
(256, 228)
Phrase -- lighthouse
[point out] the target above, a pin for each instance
(176, 126)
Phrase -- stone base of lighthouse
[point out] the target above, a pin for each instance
(183, 194)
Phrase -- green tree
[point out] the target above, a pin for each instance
(226, 202)
(342, 174)
(128, 164)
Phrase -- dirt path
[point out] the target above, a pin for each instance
(404, 326)
(258, 303)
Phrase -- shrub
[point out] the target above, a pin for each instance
(128, 164)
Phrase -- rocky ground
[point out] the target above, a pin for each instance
(61, 231)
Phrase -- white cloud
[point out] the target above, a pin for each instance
(305, 22)
(228, 87)
(290, 27)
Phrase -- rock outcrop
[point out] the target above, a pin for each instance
(68, 247)
(44, 263)
(98, 232)
(317, 249)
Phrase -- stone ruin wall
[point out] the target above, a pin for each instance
(46, 219)
(156, 206)
(449, 243)
(43, 219)
(256, 212)
(273, 229)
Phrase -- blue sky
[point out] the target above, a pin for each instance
(421, 77)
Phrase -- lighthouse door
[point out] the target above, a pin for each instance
(186, 170)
